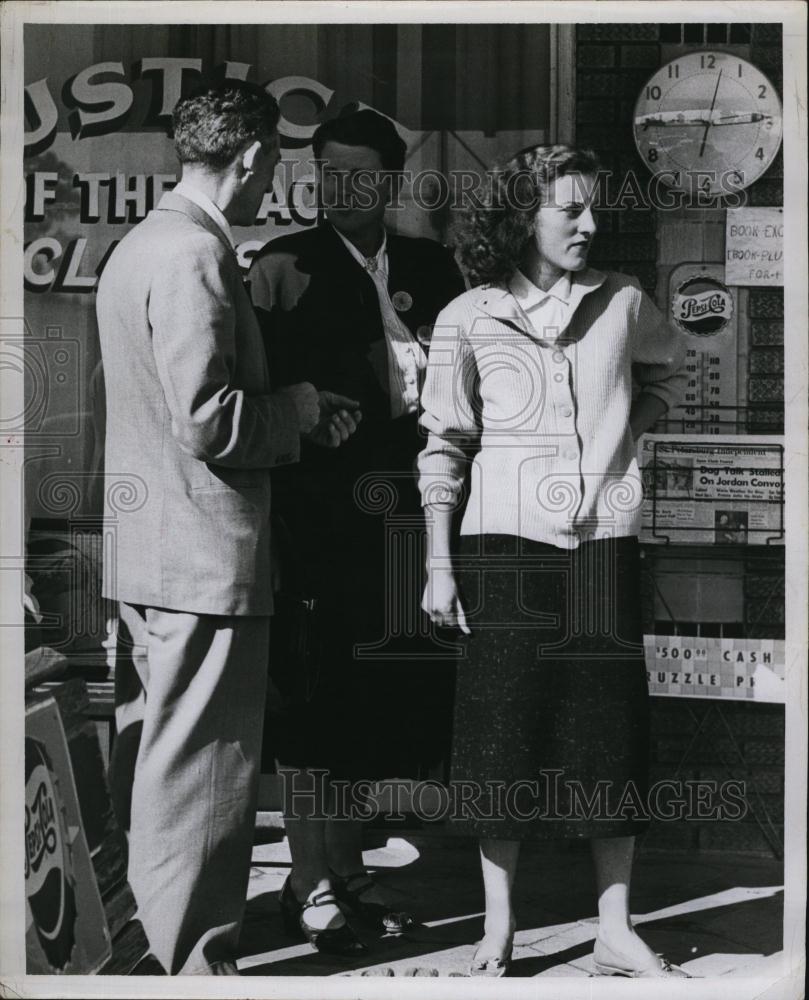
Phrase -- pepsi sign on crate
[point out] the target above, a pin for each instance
(66, 929)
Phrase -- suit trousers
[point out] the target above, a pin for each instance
(184, 776)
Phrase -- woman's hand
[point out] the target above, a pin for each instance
(442, 602)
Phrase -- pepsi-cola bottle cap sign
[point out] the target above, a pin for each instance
(702, 306)
(48, 872)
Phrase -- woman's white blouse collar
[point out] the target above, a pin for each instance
(501, 303)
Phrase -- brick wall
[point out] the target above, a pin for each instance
(750, 750)
(613, 61)
(765, 381)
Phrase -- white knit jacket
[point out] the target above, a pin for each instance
(544, 423)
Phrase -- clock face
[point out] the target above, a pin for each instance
(708, 121)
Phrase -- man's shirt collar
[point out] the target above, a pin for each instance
(381, 256)
(201, 200)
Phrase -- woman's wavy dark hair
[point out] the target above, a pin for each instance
(499, 221)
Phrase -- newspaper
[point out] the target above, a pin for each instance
(712, 490)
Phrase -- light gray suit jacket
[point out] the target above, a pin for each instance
(190, 415)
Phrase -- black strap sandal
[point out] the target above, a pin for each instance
(330, 940)
(349, 890)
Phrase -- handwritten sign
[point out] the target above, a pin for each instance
(754, 246)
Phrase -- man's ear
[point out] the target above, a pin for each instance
(249, 156)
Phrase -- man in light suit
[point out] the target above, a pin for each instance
(190, 414)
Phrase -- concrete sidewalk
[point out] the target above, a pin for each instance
(716, 915)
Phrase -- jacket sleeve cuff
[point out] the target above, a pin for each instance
(671, 391)
(286, 435)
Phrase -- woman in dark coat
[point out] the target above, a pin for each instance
(350, 306)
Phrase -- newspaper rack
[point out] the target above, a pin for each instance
(748, 504)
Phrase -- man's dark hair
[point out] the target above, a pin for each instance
(363, 128)
(212, 125)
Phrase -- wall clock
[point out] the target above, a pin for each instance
(708, 121)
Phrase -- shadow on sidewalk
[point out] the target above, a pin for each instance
(688, 908)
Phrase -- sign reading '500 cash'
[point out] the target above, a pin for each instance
(685, 666)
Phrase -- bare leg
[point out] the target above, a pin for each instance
(612, 857)
(498, 860)
(344, 853)
(344, 846)
(306, 802)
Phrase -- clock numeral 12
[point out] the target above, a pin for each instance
(709, 61)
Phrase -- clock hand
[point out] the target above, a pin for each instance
(710, 112)
(739, 118)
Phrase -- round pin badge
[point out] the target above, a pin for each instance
(702, 306)
(402, 301)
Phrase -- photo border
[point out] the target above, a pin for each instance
(782, 982)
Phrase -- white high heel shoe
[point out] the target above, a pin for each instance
(608, 963)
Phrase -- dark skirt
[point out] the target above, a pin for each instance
(551, 727)
(373, 698)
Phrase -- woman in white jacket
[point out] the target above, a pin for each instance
(529, 406)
